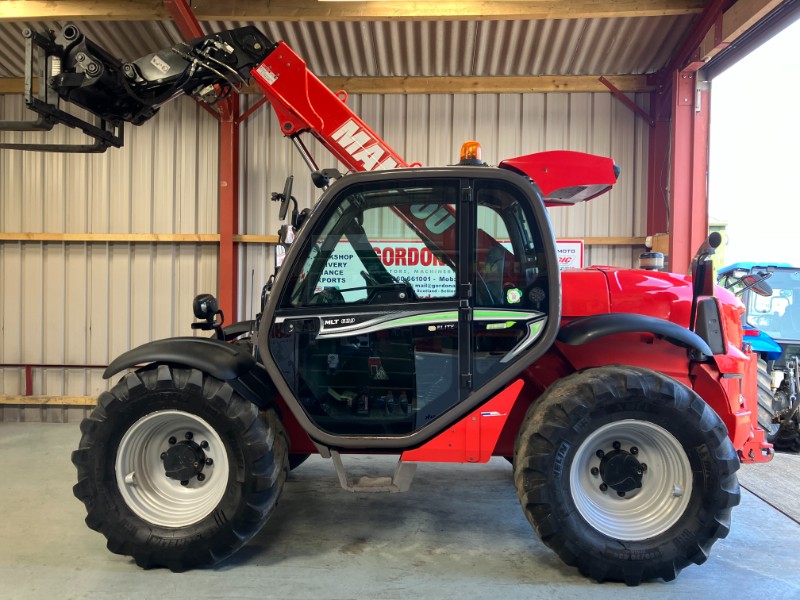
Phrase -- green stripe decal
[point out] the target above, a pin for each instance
(505, 315)
(505, 325)
(421, 319)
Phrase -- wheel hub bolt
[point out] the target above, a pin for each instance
(634, 450)
(621, 494)
(209, 462)
(600, 454)
(172, 441)
(603, 487)
(163, 455)
(595, 471)
(617, 445)
(204, 444)
(644, 467)
(188, 435)
(200, 477)
(185, 482)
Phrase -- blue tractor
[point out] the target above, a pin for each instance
(771, 296)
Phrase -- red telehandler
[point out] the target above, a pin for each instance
(419, 312)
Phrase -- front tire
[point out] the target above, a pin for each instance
(626, 474)
(177, 470)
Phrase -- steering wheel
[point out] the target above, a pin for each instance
(327, 296)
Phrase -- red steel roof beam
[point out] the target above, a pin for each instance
(688, 50)
(184, 18)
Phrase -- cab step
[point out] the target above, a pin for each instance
(399, 482)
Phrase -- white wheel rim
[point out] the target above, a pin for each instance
(647, 511)
(142, 480)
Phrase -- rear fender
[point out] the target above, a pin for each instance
(588, 329)
(232, 363)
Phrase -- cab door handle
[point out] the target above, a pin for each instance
(308, 325)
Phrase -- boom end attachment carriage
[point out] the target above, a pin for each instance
(65, 67)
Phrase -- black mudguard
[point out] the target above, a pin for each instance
(229, 362)
(223, 361)
(587, 329)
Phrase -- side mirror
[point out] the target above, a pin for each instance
(285, 198)
(757, 283)
(703, 272)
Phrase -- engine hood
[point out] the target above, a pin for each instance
(608, 289)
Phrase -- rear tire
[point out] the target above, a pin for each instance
(177, 470)
(662, 447)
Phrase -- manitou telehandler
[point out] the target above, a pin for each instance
(419, 312)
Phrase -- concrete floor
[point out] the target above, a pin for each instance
(459, 533)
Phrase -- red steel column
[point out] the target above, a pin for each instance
(658, 158)
(688, 214)
(228, 207)
(228, 196)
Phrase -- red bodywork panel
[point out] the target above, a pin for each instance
(473, 438)
(566, 177)
(304, 104)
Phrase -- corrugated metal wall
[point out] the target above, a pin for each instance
(86, 303)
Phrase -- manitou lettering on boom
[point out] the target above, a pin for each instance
(362, 147)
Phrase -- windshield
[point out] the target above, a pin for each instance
(778, 315)
(367, 245)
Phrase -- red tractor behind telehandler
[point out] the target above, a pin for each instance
(419, 312)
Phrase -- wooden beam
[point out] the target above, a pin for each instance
(172, 238)
(135, 238)
(485, 85)
(255, 239)
(614, 241)
(205, 238)
(736, 21)
(12, 85)
(452, 85)
(48, 400)
(314, 10)
(87, 10)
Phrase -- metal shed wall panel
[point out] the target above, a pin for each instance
(85, 303)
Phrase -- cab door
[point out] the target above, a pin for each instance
(366, 333)
(512, 280)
